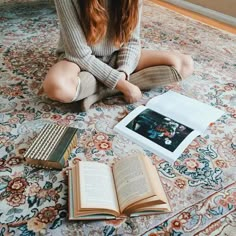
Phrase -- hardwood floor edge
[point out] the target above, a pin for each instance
(196, 16)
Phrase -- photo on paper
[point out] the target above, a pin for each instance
(159, 129)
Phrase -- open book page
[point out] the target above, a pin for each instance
(155, 180)
(185, 110)
(131, 180)
(157, 133)
(159, 199)
(168, 124)
(97, 189)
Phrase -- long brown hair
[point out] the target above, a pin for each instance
(122, 16)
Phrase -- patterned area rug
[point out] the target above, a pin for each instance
(200, 185)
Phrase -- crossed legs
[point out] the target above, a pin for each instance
(66, 83)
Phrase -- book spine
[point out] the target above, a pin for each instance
(64, 145)
(52, 147)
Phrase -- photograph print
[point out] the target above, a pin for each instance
(159, 129)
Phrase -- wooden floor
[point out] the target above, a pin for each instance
(197, 16)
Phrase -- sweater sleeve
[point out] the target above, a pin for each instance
(76, 47)
(129, 54)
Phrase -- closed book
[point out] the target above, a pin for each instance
(52, 147)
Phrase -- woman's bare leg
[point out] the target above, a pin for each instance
(61, 81)
(181, 62)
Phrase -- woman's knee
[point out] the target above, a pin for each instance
(187, 66)
(61, 82)
(51, 88)
(183, 64)
(57, 88)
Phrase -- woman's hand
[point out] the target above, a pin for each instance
(131, 92)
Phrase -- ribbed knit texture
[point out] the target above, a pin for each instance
(95, 59)
(145, 79)
(87, 85)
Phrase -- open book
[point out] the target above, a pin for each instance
(168, 124)
(131, 187)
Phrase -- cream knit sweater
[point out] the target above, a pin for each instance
(95, 59)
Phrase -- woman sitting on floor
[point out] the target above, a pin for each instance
(100, 54)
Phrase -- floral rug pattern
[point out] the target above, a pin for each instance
(200, 185)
